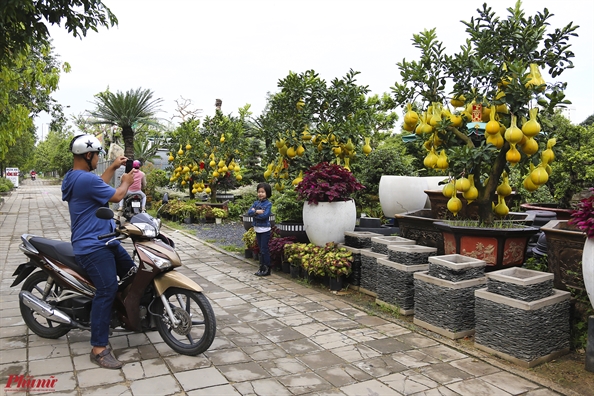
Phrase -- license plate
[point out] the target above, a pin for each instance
(136, 204)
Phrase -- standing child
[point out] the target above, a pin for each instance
(260, 210)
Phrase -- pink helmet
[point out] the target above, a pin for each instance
(136, 164)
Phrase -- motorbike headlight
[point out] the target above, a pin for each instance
(160, 262)
(148, 230)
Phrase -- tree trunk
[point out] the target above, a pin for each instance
(213, 193)
(487, 192)
(128, 135)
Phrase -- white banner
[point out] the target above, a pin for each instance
(12, 174)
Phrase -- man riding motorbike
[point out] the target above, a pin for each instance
(85, 192)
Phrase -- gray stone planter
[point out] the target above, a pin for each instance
(359, 239)
(368, 284)
(444, 295)
(410, 254)
(379, 244)
(395, 285)
(521, 318)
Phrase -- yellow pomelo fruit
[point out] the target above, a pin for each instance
(454, 205)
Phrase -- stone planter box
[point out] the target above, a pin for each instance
(456, 268)
(380, 244)
(368, 284)
(359, 239)
(565, 246)
(410, 254)
(418, 226)
(521, 318)
(395, 285)
(444, 295)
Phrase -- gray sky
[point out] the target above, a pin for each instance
(237, 50)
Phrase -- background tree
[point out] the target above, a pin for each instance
(588, 121)
(25, 91)
(145, 147)
(24, 22)
(127, 111)
(573, 168)
(20, 153)
(53, 154)
(311, 121)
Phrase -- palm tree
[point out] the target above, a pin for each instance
(126, 111)
(146, 149)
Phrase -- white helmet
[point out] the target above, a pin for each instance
(85, 144)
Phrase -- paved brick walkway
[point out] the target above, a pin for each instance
(274, 336)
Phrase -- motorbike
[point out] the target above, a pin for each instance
(33, 177)
(58, 296)
(132, 205)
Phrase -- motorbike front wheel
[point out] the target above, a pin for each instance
(36, 283)
(196, 329)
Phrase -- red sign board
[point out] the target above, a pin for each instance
(477, 112)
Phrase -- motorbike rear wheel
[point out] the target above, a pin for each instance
(197, 328)
(39, 325)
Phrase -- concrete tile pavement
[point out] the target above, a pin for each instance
(274, 336)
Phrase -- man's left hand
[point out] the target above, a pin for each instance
(119, 161)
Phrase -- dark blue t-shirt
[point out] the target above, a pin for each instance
(86, 192)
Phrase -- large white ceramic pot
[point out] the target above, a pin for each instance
(588, 268)
(328, 221)
(401, 194)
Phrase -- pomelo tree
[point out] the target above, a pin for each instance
(207, 157)
(494, 86)
(310, 121)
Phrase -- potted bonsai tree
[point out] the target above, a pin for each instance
(328, 210)
(489, 122)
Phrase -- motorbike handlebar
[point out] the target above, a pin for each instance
(105, 236)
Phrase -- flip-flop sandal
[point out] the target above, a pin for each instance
(106, 360)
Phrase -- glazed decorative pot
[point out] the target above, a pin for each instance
(498, 247)
(328, 221)
(400, 194)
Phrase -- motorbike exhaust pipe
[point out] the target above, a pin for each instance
(44, 309)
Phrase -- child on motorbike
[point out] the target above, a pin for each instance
(137, 186)
(260, 211)
(85, 192)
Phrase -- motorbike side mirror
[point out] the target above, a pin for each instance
(104, 213)
(164, 202)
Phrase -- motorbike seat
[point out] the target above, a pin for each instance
(61, 251)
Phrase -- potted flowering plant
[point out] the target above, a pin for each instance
(325, 182)
(276, 246)
(251, 244)
(219, 214)
(328, 210)
(583, 218)
(338, 261)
